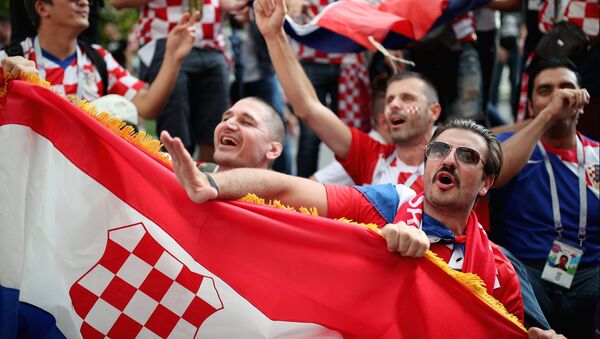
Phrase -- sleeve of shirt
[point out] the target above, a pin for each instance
(362, 157)
(120, 81)
(335, 174)
(509, 292)
(347, 202)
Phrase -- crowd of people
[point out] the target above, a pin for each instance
(429, 137)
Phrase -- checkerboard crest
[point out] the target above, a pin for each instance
(138, 288)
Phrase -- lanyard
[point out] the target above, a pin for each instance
(558, 227)
(387, 166)
(42, 71)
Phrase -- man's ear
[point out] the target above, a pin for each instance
(436, 110)
(274, 151)
(40, 8)
(488, 182)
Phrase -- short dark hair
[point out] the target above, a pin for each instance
(276, 124)
(539, 64)
(493, 161)
(430, 91)
(31, 12)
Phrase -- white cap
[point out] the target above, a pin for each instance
(117, 106)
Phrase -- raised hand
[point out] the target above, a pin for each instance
(17, 65)
(194, 182)
(567, 102)
(269, 16)
(181, 38)
(408, 240)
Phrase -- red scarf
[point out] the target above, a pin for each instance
(479, 258)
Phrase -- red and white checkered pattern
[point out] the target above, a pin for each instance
(65, 80)
(464, 27)
(158, 17)
(138, 289)
(354, 96)
(583, 13)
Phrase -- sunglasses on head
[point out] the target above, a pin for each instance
(438, 149)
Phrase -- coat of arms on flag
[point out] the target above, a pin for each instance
(139, 287)
(178, 269)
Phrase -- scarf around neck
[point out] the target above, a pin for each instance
(479, 258)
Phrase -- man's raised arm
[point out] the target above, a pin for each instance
(236, 183)
(518, 148)
(296, 85)
(179, 43)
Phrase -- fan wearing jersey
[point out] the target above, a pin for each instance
(55, 54)
(547, 199)
(411, 108)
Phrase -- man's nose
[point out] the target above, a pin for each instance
(232, 124)
(450, 159)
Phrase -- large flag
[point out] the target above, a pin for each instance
(97, 239)
(345, 26)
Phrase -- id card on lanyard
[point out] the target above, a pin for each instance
(563, 259)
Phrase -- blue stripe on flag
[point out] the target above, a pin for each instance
(23, 320)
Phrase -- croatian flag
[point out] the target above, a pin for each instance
(345, 26)
(98, 239)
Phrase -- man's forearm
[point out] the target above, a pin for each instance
(296, 85)
(150, 103)
(518, 148)
(303, 98)
(294, 191)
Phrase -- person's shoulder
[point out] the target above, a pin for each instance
(365, 140)
(505, 135)
(502, 263)
(25, 47)
(101, 50)
(589, 142)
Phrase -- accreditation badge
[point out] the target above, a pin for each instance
(561, 264)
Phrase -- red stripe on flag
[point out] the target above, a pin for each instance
(290, 266)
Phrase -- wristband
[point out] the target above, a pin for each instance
(212, 182)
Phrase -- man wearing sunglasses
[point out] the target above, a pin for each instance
(56, 56)
(463, 160)
(547, 200)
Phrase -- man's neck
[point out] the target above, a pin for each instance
(412, 154)
(58, 43)
(455, 221)
(560, 137)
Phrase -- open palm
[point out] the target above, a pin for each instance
(269, 16)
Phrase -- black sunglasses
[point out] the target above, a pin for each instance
(438, 149)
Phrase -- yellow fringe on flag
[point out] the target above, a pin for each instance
(140, 139)
(470, 280)
(152, 147)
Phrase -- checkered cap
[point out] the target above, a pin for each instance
(138, 289)
(583, 13)
(158, 17)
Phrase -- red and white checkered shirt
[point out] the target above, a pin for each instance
(583, 13)
(158, 17)
(65, 80)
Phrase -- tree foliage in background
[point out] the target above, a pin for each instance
(4, 6)
(123, 18)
